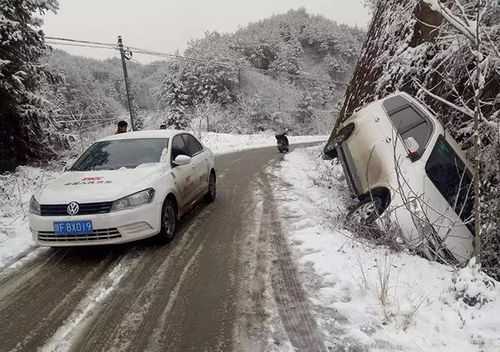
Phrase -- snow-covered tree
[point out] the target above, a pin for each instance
(21, 115)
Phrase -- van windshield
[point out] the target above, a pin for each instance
(124, 153)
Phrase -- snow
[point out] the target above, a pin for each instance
(87, 309)
(371, 298)
(221, 143)
(16, 189)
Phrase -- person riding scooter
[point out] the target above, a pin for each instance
(283, 144)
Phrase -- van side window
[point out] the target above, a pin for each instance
(453, 180)
(409, 123)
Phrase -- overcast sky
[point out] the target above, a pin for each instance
(167, 25)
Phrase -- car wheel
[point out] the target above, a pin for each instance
(329, 152)
(212, 188)
(168, 221)
(367, 211)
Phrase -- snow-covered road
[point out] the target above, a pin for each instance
(17, 188)
(208, 290)
(267, 267)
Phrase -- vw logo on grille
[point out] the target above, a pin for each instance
(73, 208)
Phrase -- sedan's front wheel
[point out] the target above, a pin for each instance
(168, 221)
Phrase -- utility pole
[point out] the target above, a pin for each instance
(127, 55)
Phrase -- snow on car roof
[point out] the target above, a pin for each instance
(143, 134)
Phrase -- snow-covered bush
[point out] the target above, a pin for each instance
(16, 189)
(472, 286)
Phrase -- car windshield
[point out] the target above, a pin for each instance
(124, 153)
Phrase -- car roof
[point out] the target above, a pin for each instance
(143, 134)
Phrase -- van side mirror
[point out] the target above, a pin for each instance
(182, 160)
(413, 148)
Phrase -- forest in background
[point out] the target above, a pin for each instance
(289, 71)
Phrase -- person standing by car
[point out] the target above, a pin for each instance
(122, 127)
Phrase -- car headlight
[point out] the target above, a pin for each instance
(134, 200)
(34, 206)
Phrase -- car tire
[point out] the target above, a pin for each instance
(168, 221)
(367, 211)
(330, 152)
(212, 188)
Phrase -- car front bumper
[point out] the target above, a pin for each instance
(111, 228)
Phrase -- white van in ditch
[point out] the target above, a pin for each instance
(402, 165)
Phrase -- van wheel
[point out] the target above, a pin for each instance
(367, 211)
(168, 221)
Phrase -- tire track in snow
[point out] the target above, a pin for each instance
(259, 327)
(156, 340)
(290, 297)
(27, 271)
(122, 336)
(88, 308)
(63, 308)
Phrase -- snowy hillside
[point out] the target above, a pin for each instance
(286, 71)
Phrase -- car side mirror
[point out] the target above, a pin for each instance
(413, 148)
(182, 160)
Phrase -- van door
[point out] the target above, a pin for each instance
(448, 197)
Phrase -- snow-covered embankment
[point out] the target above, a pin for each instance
(371, 298)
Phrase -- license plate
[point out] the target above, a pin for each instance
(73, 227)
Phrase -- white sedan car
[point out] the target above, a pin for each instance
(124, 188)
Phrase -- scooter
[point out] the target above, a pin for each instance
(283, 144)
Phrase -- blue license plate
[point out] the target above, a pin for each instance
(73, 227)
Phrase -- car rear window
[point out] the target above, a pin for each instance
(406, 119)
(410, 123)
(123, 153)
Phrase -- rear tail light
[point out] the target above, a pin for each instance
(344, 133)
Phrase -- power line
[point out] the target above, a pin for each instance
(80, 45)
(84, 121)
(85, 114)
(80, 41)
(101, 45)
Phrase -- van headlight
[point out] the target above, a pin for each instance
(34, 206)
(134, 200)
